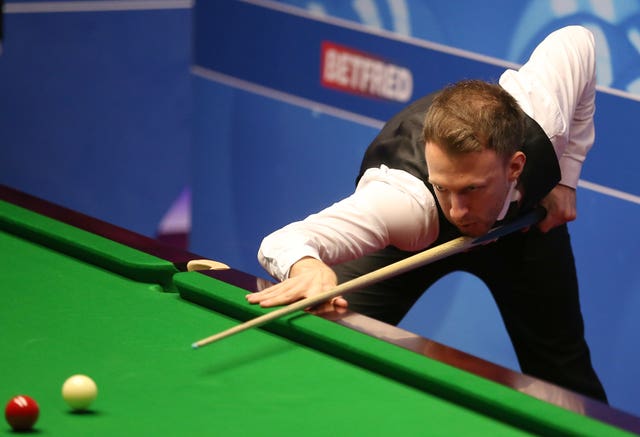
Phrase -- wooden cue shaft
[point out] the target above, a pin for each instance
(430, 255)
(425, 257)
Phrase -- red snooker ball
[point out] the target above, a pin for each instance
(21, 412)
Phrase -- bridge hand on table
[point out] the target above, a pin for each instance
(308, 277)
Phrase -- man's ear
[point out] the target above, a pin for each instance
(516, 165)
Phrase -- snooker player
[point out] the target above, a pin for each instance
(459, 162)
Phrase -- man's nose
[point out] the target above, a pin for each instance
(458, 208)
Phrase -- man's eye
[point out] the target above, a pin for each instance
(438, 187)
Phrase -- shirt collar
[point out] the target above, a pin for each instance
(514, 195)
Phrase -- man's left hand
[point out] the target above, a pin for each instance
(560, 204)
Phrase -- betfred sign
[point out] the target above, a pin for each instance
(356, 72)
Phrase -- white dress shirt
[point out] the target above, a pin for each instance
(555, 87)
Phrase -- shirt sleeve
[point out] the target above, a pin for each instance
(556, 87)
(388, 207)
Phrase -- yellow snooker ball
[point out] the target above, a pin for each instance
(79, 391)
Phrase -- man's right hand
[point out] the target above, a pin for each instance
(307, 277)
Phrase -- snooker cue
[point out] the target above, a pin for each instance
(452, 247)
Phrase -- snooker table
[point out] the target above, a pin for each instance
(82, 296)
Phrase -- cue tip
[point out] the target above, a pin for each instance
(194, 346)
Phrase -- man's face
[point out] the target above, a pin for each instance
(472, 187)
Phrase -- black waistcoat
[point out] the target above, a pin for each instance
(400, 145)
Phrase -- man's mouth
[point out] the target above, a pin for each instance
(465, 225)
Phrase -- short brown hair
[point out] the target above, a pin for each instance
(474, 115)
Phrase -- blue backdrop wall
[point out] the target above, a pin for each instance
(95, 106)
